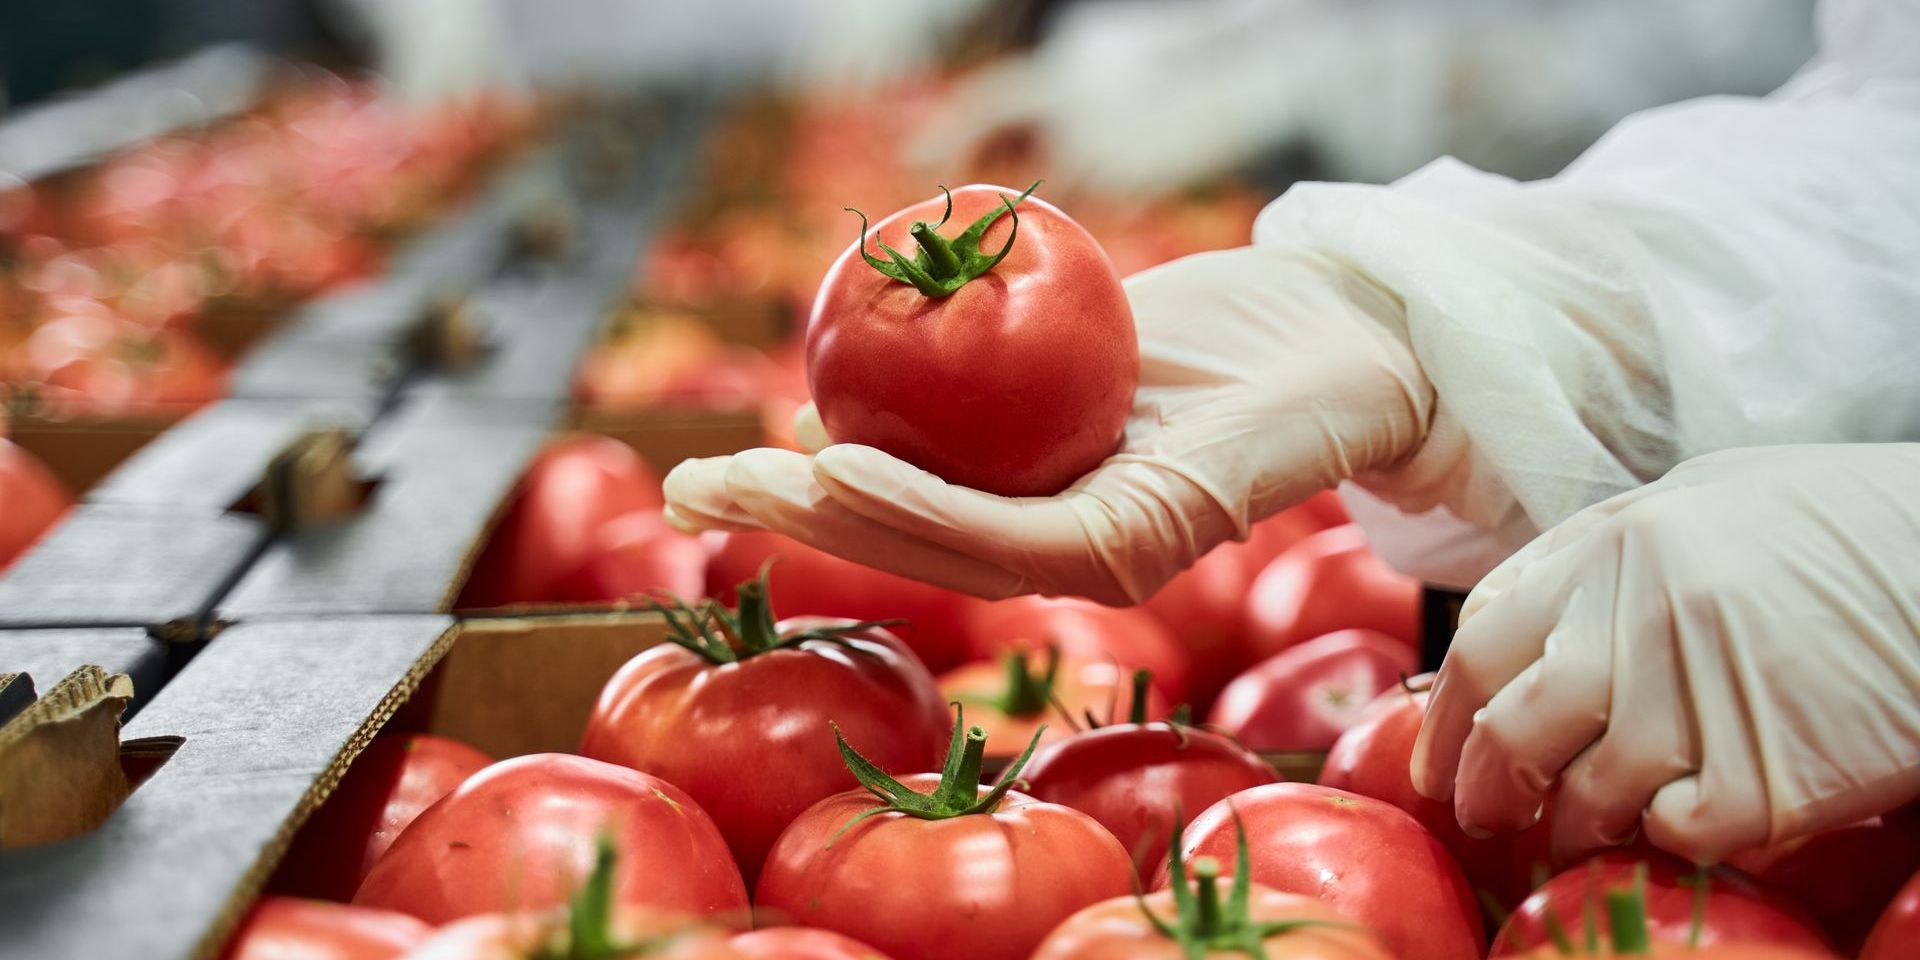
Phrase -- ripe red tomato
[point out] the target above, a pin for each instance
(636, 555)
(1011, 699)
(1140, 780)
(1368, 859)
(1875, 856)
(1737, 909)
(570, 491)
(1328, 582)
(1373, 757)
(91, 365)
(1017, 383)
(813, 582)
(743, 717)
(1305, 696)
(1086, 631)
(1326, 508)
(520, 833)
(539, 935)
(972, 875)
(1898, 929)
(801, 943)
(283, 928)
(34, 500)
(392, 780)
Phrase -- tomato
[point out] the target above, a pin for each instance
(1737, 909)
(1011, 700)
(284, 928)
(1017, 382)
(1141, 780)
(393, 779)
(1372, 758)
(971, 874)
(34, 500)
(1086, 631)
(1368, 859)
(570, 491)
(636, 555)
(815, 582)
(743, 717)
(520, 832)
(1329, 582)
(1898, 929)
(801, 943)
(1326, 508)
(102, 366)
(1305, 696)
(1875, 856)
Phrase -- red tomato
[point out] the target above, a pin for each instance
(637, 555)
(520, 833)
(747, 727)
(392, 780)
(1875, 856)
(1086, 631)
(801, 943)
(1013, 698)
(34, 500)
(547, 934)
(571, 490)
(1328, 582)
(815, 582)
(99, 366)
(285, 928)
(974, 876)
(1117, 929)
(1898, 929)
(1368, 859)
(1304, 697)
(1016, 383)
(1737, 909)
(1372, 758)
(1326, 508)
(1141, 779)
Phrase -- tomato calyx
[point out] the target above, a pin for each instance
(1025, 694)
(1202, 923)
(588, 932)
(1627, 927)
(944, 265)
(958, 794)
(724, 636)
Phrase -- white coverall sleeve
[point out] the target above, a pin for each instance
(1720, 273)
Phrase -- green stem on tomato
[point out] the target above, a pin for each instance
(1202, 923)
(722, 636)
(958, 793)
(1627, 917)
(944, 265)
(1137, 712)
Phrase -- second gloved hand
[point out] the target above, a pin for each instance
(1267, 374)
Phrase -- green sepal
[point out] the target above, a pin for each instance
(943, 266)
(958, 793)
(723, 636)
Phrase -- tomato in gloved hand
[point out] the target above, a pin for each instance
(1003, 358)
(395, 778)
(1023, 693)
(1368, 859)
(936, 867)
(284, 928)
(34, 501)
(1328, 582)
(740, 712)
(519, 834)
(1305, 696)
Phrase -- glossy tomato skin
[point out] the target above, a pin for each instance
(1898, 929)
(977, 887)
(1086, 631)
(1875, 856)
(280, 928)
(572, 489)
(1116, 930)
(751, 740)
(636, 555)
(1305, 696)
(801, 943)
(1078, 686)
(1368, 859)
(527, 936)
(813, 582)
(1738, 910)
(1373, 759)
(1018, 383)
(521, 834)
(1137, 780)
(390, 783)
(34, 500)
(1328, 582)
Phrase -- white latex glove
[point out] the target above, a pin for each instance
(1731, 652)
(1266, 375)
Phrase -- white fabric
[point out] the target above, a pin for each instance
(1732, 651)
(1727, 272)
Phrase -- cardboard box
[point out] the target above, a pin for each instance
(40, 659)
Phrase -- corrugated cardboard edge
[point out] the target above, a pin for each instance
(65, 746)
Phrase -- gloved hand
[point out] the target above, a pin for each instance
(1267, 374)
(1729, 655)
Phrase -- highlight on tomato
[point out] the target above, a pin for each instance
(1014, 696)
(740, 711)
(280, 928)
(938, 867)
(1001, 358)
(1306, 696)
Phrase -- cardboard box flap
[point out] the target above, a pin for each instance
(127, 565)
(45, 656)
(216, 457)
(60, 760)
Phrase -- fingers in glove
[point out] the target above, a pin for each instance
(697, 498)
(808, 431)
(1570, 532)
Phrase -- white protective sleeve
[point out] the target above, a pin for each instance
(1720, 273)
